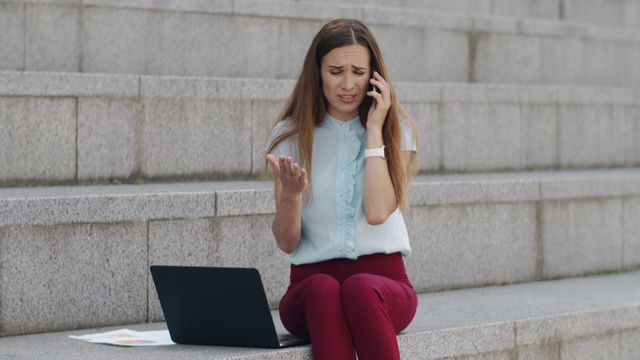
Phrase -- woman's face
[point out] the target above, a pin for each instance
(345, 77)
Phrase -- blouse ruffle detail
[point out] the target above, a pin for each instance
(348, 176)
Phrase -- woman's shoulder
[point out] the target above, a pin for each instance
(409, 134)
(282, 127)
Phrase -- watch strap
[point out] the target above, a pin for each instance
(377, 152)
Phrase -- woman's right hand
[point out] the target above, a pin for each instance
(290, 182)
(292, 177)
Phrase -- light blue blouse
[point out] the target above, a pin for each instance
(333, 221)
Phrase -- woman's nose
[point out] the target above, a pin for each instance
(347, 82)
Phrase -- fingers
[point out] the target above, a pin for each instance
(376, 95)
(378, 110)
(379, 81)
(285, 168)
(383, 95)
(290, 168)
(296, 171)
(274, 163)
(382, 85)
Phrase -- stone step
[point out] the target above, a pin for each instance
(624, 13)
(85, 251)
(63, 128)
(244, 38)
(595, 317)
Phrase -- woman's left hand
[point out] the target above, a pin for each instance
(380, 107)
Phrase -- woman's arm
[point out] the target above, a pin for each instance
(379, 195)
(290, 183)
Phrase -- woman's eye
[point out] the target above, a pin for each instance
(335, 73)
(359, 73)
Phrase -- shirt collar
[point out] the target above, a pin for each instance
(334, 123)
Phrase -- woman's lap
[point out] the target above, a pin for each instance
(367, 300)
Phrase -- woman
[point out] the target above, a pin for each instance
(343, 151)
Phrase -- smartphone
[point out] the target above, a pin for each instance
(372, 87)
(370, 100)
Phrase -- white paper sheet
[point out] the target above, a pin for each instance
(126, 337)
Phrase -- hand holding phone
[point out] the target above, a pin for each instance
(374, 89)
(381, 101)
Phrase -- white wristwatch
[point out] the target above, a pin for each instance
(381, 152)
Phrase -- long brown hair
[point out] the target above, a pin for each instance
(306, 107)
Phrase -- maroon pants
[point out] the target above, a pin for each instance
(348, 306)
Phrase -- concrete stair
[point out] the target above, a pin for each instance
(581, 318)
(623, 13)
(244, 38)
(85, 251)
(529, 114)
(64, 128)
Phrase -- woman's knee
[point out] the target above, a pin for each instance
(360, 289)
(320, 288)
(316, 294)
(365, 295)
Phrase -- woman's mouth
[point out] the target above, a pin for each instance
(347, 99)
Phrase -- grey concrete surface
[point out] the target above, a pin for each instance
(105, 203)
(629, 344)
(581, 235)
(475, 126)
(461, 245)
(46, 84)
(504, 228)
(243, 39)
(106, 134)
(589, 134)
(72, 276)
(568, 319)
(631, 232)
(184, 137)
(12, 29)
(103, 206)
(623, 13)
(168, 128)
(52, 38)
(632, 141)
(38, 138)
(618, 13)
